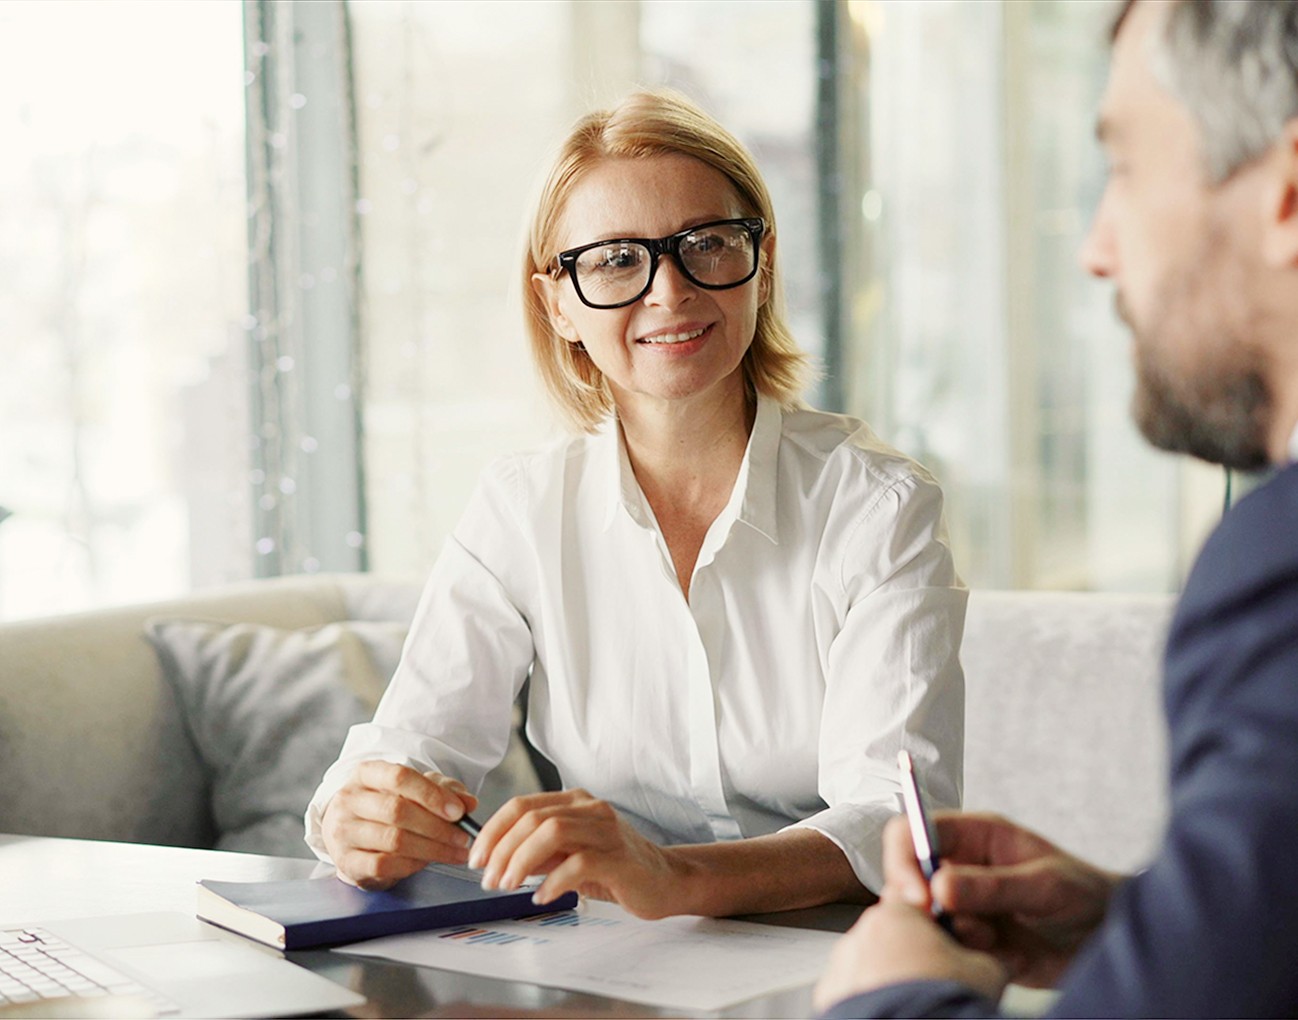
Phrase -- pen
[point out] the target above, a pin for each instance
(919, 833)
(469, 825)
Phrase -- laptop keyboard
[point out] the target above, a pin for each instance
(37, 965)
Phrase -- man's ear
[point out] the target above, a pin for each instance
(547, 289)
(1280, 210)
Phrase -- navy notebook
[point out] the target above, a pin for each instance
(301, 913)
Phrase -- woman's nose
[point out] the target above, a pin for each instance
(670, 285)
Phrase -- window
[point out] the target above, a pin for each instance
(123, 397)
(459, 107)
(209, 377)
(977, 343)
(960, 183)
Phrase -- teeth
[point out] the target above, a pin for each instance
(673, 338)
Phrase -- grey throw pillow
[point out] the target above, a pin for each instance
(267, 710)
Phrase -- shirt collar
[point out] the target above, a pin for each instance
(756, 474)
(622, 490)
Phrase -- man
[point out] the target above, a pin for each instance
(1198, 229)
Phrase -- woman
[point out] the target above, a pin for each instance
(734, 611)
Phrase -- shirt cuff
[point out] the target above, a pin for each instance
(857, 830)
(335, 778)
(912, 999)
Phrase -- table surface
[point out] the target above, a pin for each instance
(45, 879)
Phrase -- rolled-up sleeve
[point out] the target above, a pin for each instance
(893, 676)
(448, 707)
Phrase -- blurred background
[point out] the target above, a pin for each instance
(259, 306)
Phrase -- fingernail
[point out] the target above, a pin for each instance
(475, 859)
(538, 900)
(914, 895)
(454, 811)
(488, 881)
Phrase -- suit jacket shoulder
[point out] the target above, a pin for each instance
(1254, 548)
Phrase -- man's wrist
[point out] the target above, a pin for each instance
(911, 999)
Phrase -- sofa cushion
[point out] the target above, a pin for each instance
(267, 710)
(1064, 728)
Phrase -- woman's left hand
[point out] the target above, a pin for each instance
(581, 844)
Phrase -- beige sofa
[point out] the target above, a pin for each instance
(1064, 730)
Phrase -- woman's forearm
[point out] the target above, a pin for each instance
(782, 871)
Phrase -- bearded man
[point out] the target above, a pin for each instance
(1198, 230)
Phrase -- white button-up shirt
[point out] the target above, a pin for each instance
(820, 636)
(1293, 445)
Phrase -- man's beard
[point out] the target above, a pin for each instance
(1222, 411)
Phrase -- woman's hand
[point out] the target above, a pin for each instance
(389, 821)
(581, 844)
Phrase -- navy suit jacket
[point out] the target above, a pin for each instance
(1211, 928)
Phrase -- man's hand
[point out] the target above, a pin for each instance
(895, 942)
(581, 844)
(1011, 893)
(389, 821)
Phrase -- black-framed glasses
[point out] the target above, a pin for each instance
(614, 273)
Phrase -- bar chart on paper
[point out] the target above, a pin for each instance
(678, 962)
(470, 936)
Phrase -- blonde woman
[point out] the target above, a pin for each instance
(734, 610)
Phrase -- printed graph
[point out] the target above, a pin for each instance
(509, 933)
(470, 935)
(686, 963)
(568, 919)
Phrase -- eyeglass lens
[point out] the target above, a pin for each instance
(717, 255)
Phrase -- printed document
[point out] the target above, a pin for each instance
(688, 963)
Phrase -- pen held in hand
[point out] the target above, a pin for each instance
(469, 825)
(920, 834)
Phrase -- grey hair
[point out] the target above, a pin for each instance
(1234, 64)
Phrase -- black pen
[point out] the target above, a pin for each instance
(919, 834)
(469, 825)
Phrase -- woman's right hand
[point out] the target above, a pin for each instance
(389, 821)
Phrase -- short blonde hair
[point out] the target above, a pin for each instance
(651, 123)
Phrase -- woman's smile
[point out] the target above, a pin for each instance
(679, 340)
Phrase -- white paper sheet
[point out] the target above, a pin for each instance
(689, 963)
